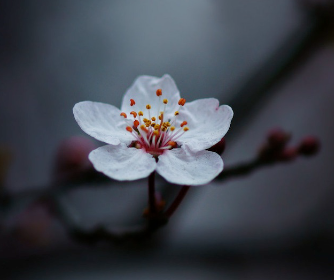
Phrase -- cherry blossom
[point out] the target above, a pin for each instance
(156, 129)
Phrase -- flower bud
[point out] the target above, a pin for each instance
(72, 158)
(278, 138)
(288, 154)
(309, 146)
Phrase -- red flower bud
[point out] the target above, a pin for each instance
(309, 146)
(72, 158)
(288, 154)
(278, 138)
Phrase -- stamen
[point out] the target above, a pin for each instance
(152, 132)
(135, 123)
(182, 101)
(144, 131)
(183, 123)
(159, 92)
(148, 107)
(172, 143)
(142, 127)
(166, 148)
(133, 113)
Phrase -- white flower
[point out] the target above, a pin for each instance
(156, 130)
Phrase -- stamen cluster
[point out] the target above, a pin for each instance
(153, 132)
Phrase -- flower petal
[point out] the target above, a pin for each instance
(143, 92)
(122, 163)
(183, 167)
(102, 121)
(207, 122)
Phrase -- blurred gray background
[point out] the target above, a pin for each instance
(57, 53)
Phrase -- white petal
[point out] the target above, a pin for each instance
(207, 123)
(102, 121)
(143, 92)
(122, 163)
(183, 167)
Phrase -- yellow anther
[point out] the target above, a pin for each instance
(123, 114)
(167, 124)
(159, 92)
(165, 101)
(145, 120)
(148, 106)
(172, 128)
(156, 132)
(156, 126)
(176, 113)
(153, 124)
(186, 128)
(140, 113)
(164, 128)
(142, 127)
(153, 118)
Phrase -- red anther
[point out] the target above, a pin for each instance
(159, 92)
(182, 101)
(133, 113)
(288, 154)
(132, 102)
(123, 114)
(135, 123)
(309, 146)
(183, 123)
(278, 138)
(218, 148)
(172, 143)
(129, 128)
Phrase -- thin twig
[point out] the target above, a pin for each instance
(151, 193)
(175, 204)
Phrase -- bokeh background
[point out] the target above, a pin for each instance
(273, 61)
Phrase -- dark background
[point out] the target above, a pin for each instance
(273, 61)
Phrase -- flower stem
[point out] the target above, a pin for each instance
(175, 204)
(151, 193)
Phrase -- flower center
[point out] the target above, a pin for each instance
(151, 130)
